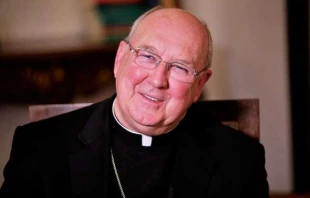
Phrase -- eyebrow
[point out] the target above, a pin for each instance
(184, 62)
(149, 48)
(154, 50)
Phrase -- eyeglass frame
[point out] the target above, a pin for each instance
(191, 70)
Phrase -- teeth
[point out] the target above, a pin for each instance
(154, 99)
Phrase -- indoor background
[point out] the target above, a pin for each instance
(250, 61)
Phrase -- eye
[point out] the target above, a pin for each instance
(145, 56)
(180, 69)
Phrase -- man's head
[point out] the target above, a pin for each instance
(153, 99)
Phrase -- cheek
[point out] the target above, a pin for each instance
(132, 75)
(181, 99)
(181, 91)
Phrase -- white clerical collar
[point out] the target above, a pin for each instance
(146, 140)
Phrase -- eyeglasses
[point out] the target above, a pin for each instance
(150, 60)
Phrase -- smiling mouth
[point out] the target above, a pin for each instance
(151, 98)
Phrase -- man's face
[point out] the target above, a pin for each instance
(150, 101)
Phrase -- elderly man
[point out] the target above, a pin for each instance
(147, 140)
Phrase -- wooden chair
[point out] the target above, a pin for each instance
(288, 195)
(240, 114)
(39, 112)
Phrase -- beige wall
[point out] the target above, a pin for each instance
(41, 19)
(250, 61)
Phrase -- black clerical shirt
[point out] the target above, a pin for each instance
(144, 171)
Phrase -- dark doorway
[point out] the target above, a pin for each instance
(299, 72)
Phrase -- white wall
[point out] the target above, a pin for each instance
(250, 61)
(68, 24)
(40, 19)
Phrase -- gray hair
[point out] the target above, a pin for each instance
(208, 60)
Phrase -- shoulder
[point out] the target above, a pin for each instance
(60, 127)
(212, 134)
(238, 160)
(75, 117)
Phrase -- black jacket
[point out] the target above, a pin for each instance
(68, 155)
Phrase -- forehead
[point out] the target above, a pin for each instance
(172, 33)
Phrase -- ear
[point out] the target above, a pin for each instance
(119, 55)
(205, 76)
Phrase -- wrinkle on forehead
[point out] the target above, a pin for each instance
(179, 26)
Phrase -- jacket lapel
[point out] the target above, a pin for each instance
(89, 165)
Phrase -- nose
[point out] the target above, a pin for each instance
(159, 76)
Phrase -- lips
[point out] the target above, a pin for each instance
(151, 98)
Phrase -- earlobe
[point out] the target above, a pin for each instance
(119, 54)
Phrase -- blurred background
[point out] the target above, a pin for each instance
(55, 51)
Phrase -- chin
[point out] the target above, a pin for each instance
(152, 132)
(147, 124)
